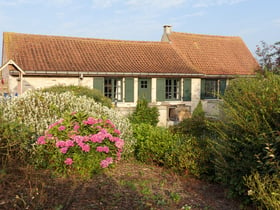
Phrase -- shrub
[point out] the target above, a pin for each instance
(144, 114)
(37, 109)
(198, 111)
(79, 144)
(15, 142)
(199, 132)
(81, 91)
(160, 146)
(250, 124)
(264, 190)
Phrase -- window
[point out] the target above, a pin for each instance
(172, 89)
(112, 88)
(144, 84)
(212, 88)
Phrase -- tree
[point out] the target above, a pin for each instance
(269, 56)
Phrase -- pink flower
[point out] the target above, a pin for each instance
(117, 131)
(69, 143)
(76, 127)
(119, 143)
(68, 161)
(60, 121)
(60, 144)
(105, 163)
(102, 149)
(86, 148)
(96, 138)
(64, 150)
(61, 128)
(41, 140)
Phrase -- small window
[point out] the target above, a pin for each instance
(144, 84)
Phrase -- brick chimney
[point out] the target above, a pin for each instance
(166, 32)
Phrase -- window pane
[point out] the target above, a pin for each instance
(172, 89)
(211, 87)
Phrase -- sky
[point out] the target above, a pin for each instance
(253, 20)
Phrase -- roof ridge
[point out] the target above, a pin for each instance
(205, 35)
(84, 38)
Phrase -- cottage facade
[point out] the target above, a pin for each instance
(173, 74)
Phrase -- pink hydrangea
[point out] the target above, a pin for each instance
(102, 149)
(41, 140)
(85, 147)
(76, 127)
(116, 131)
(64, 150)
(61, 128)
(105, 163)
(68, 161)
(60, 144)
(119, 143)
(69, 143)
(96, 138)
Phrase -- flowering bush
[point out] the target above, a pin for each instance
(80, 144)
(37, 109)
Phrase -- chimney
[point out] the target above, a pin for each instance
(166, 32)
(167, 29)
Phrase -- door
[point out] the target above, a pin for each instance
(144, 89)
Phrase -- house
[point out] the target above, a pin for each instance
(173, 74)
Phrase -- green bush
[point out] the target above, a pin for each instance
(249, 131)
(198, 132)
(153, 144)
(81, 91)
(264, 190)
(37, 110)
(160, 146)
(15, 142)
(144, 114)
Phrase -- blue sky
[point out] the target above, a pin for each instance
(253, 20)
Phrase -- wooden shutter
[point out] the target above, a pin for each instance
(187, 91)
(160, 89)
(98, 83)
(202, 89)
(129, 89)
(223, 84)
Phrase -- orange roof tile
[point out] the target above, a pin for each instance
(72, 54)
(214, 55)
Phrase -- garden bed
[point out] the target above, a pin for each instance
(130, 185)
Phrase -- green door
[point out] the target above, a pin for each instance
(144, 89)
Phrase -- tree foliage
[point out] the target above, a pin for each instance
(269, 56)
(249, 132)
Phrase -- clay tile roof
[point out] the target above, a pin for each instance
(214, 55)
(72, 54)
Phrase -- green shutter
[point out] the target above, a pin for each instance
(202, 89)
(223, 84)
(160, 89)
(129, 89)
(187, 93)
(98, 83)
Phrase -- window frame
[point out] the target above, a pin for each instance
(113, 88)
(172, 91)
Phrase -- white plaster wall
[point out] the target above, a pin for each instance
(42, 82)
(196, 86)
(154, 90)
